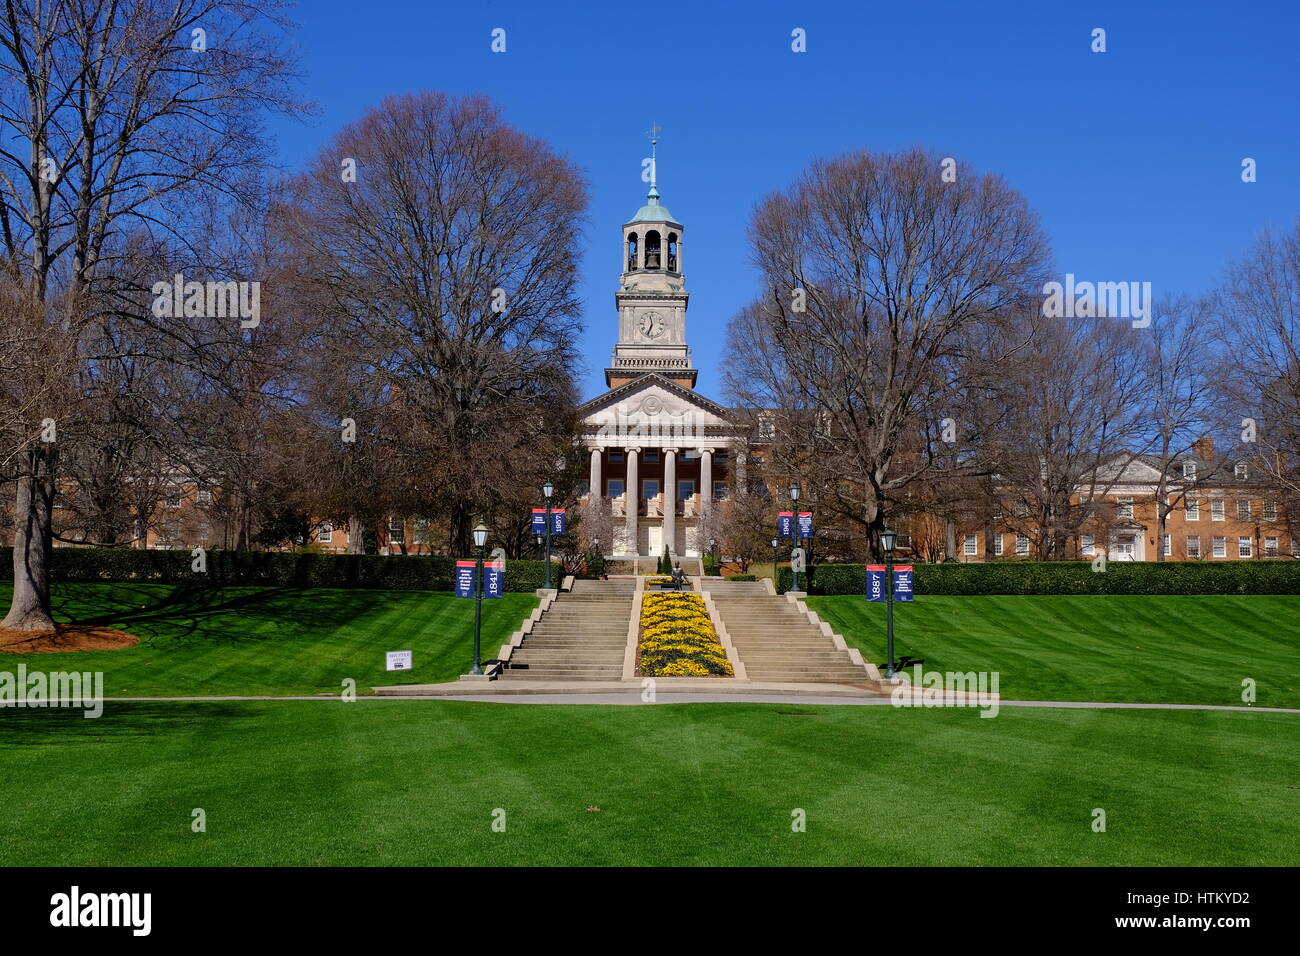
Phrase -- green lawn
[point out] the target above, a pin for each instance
(406, 782)
(1165, 649)
(273, 640)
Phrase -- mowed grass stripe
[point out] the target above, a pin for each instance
(416, 783)
(272, 640)
(1193, 649)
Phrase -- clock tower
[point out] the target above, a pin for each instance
(651, 297)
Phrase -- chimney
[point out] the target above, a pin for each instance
(1203, 447)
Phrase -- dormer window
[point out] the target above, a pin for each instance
(1189, 470)
(1241, 471)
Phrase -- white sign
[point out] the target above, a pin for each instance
(399, 660)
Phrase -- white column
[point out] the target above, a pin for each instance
(596, 490)
(706, 479)
(670, 499)
(632, 491)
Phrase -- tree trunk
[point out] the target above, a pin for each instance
(356, 536)
(33, 542)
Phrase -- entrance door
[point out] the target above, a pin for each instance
(656, 546)
(1125, 548)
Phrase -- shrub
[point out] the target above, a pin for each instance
(665, 562)
(272, 568)
(743, 577)
(1069, 577)
(712, 566)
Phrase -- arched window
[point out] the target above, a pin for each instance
(652, 249)
(672, 252)
(631, 251)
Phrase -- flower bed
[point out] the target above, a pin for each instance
(678, 639)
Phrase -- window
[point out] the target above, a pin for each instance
(1086, 544)
(1125, 547)
(1193, 509)
(997, 512)
(652, 456)
(1243, 510)
(1245, 548)
(1167, 545)
(1125, 507)
(1193, 545)
(204, 496)
(970, 546)
(421, 530)
(1022, 509)
(171, 533)
(1022, 543)
(1216, 510)
(1270, 511)
(616, 454)
(685, 489)
(396, 525)
(326, 534)
(1270, 547)
(173, 499)
(997, 545)
(1189, 470)
(650, 488)
(614, 488)
(1220, 546)
(1241, 471)
(720, 490)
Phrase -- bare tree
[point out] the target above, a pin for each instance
(444, 272)
(118, 116)
(875, 269)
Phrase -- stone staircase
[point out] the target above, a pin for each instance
(775, 641)
(582, 636)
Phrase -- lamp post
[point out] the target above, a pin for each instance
(538, 539)
(595, 547)
(713, 551)
(480, 539)
(776, 543)
(794, 517)
(548, 489)
(887, 543)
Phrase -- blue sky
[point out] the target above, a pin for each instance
(1132, 157)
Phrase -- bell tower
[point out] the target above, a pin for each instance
(651, 297)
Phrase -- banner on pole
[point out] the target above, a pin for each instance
(464, 579)
(875, 582)
(494, 578)
(785, 524)
(805, 524)
(903, 583)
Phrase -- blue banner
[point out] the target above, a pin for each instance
(539, 521)
(903, 583)
(875, 582)
(464, 579)
(559, 521)
(805, 524)
(785, 524)
(494, 579)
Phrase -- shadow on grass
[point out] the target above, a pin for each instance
(187, 611)
(27, 726)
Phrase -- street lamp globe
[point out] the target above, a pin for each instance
(548, 489)
(794, 491)
(887, 537)
(480, 535)
(776, 543)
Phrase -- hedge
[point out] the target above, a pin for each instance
(274, 568)
(1068, 577)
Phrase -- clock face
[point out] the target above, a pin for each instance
(652, 325)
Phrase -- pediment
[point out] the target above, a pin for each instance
(654, 411)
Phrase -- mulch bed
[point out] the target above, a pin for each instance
(65, 638)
